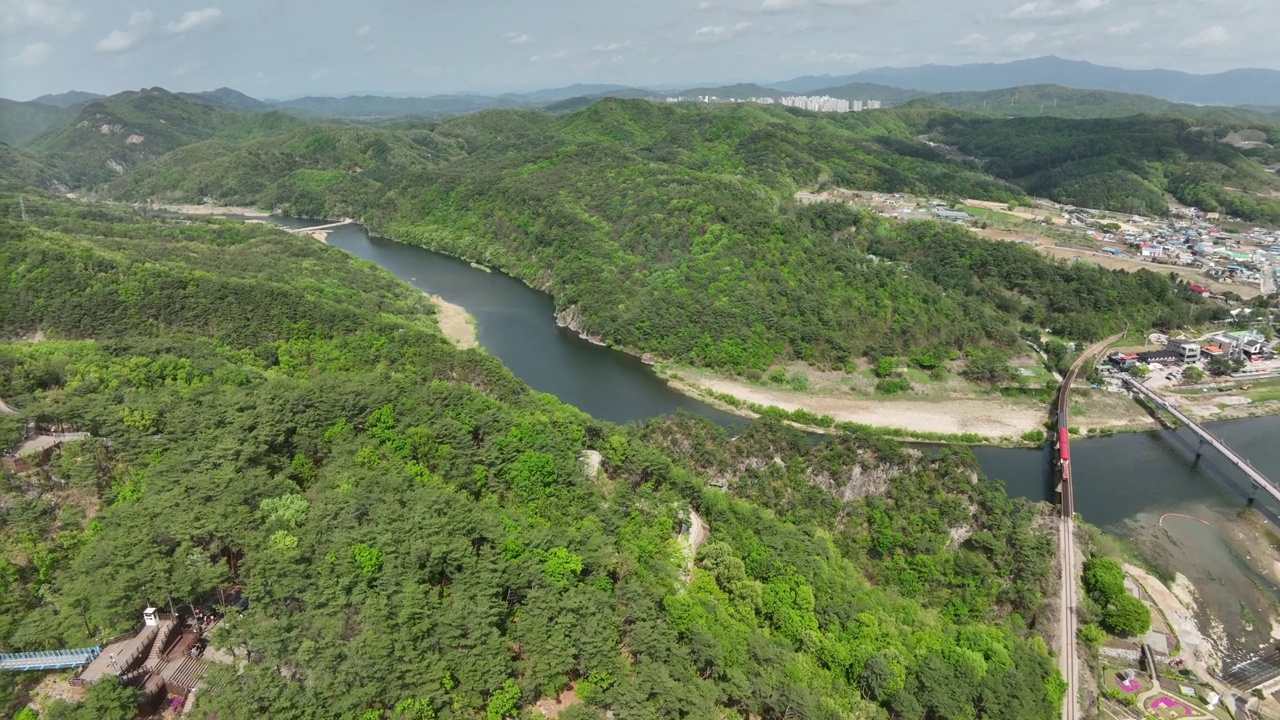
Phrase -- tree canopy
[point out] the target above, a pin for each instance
(274, 418)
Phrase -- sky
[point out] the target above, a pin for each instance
(287, 48)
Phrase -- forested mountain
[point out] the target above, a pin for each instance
(1065, 102)
(21, 168)
(1125, 164)
(315, 171)
(22, 121)
(225, 97)
(68, 99)
(417, 533)
(110, 136)
(672, 230)
(1245, 86)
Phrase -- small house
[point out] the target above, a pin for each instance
(1123, 361)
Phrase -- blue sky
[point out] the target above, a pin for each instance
(287, 48)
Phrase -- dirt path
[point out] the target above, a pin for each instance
(992, 418)
(455, 323)
(6, 409)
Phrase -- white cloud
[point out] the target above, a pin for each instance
(1124, 29)
(821, 57)
(194, 20)
(1020, 40)
(974, 40)
(1212, 36)
(516, 38)
(29, 56)
(706, 7)
(611, 47)
(720, 33)
(777, 6)
(364, 31)
(1054, 9)
(19, 16)
(118, 41)
(186, 69)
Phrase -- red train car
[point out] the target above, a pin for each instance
(1064, 446)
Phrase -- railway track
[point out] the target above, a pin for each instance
(1068, 656)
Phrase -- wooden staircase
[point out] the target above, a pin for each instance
(156, 659)
(187, 674)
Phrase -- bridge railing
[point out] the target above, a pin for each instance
(47, 659)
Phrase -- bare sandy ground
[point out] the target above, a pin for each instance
(1197, 651)
(1022, 212)
(455, 323)
(1049, 247)
(213, 210)
(988, 417)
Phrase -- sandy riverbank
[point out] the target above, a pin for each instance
(1178, 605)
(455, 323)
(991, 418)
(212, 210)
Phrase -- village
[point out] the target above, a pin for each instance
(1217, 255)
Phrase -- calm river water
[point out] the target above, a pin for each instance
(1124, 483)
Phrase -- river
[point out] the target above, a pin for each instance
(1124, 483)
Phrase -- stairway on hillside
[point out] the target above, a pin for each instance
(156, 659)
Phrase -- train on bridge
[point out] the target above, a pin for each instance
(1064, 446)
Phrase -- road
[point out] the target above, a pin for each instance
(1068, 592)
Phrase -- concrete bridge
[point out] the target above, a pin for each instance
(1205, 437)
(330, 226)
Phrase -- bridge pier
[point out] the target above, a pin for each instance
(1200, 449)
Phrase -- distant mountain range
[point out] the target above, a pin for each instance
(1246, 86)
(1048, 86)
(67, 99)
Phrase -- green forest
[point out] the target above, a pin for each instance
(673, 229)
(416, 529)
(1123, 164)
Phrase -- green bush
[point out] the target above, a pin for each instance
(1126, 616)
(885, 367)
(893, 386)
